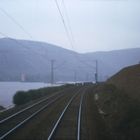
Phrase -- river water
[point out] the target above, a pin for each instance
(8, 89)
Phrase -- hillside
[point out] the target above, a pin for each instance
(119, 103)
(115, 60)
(33, 60)
(128, 79)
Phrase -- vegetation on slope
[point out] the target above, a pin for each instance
(128, 79)
(120, 112)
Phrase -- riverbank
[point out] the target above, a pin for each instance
(8, 89)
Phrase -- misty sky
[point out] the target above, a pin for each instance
(97, 25)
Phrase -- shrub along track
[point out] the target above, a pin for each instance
(18, 108)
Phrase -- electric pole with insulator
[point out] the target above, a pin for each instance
(96, 73)
(75, 76)
(52, 71)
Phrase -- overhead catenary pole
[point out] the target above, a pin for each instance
(52, 71)
(87, 77)
(96, 73)
(75, 76)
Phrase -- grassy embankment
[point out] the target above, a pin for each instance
(120, 112)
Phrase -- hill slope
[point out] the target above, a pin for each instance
(33, 58)
(129, 80)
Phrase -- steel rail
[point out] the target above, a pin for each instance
(27, 108)
(27, 119)
(79, 118)
(61, 116)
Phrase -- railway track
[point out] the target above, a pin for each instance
(68, 125)
(7, 114)
(11, 123)
(68, 115)
(58, 117)
(25, 109)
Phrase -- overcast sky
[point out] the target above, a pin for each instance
(97, 25)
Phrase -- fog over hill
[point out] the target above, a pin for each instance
(33, 60)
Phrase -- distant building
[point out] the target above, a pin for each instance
(23, 78)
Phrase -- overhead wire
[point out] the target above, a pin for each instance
(63, 21)
(16, 22)
(68, 21)
(21, 27)
(19, 43)
(28, 47)
(70, 35)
